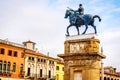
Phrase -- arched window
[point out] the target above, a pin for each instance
(0, 65)
(4, 66)
(8, 67)
(14, 67)
(104, 78)
(108, 78)
(21, 68)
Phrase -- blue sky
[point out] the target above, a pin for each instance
(42, 21)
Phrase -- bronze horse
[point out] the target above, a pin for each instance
(78, 20)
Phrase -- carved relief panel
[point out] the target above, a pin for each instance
(82, 47)
(77, 48)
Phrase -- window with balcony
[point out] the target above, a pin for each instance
(4, 66)
(8, 67)
(15, 54)
(0, 66)
(10, 52)
(2, 51)
(21, 68)
(14, 67)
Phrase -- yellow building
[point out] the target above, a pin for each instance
(60, 70)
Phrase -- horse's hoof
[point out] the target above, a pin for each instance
(67, 35)
(83, 33)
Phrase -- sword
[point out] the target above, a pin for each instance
(70, 9)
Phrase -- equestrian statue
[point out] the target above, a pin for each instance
(77, 18)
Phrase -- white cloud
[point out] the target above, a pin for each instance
(117, 9)
(110, 42)
(94, 1)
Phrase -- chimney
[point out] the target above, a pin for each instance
(48, 54)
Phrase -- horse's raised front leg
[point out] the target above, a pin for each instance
(77, 29)
(86, 27)
(94, 28)
(68, 30)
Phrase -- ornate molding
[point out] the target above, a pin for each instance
(80, 63)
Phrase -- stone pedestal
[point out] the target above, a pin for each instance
(82, 57)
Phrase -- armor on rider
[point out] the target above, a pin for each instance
(80, 11)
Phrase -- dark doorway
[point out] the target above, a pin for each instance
(49, 74)
(40, 72)
(28, 72)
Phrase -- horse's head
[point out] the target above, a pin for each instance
(68, 13)
(72, 16)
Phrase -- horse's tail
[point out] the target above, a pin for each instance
(96, 16)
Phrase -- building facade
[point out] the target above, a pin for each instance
(60, 70)
(111, 74)
(23, 61)
(37, 65)
(11, 59)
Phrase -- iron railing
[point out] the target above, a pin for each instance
(5, 73)
(40, 77)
